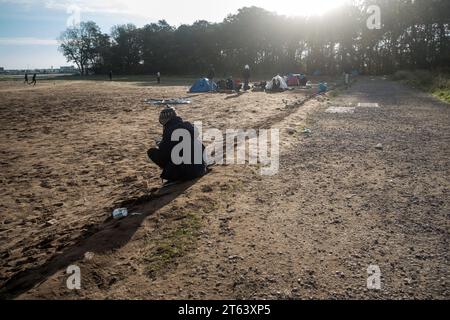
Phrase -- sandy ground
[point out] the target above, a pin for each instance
(71, 152)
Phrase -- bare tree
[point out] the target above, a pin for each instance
(82, 44)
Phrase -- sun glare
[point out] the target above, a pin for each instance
(302, 7)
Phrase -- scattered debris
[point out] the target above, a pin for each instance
(52, 222)
(340, 110)
(167, 101)
(368, 105)
(291, 131)
(120, 213)
(89, 255)
(379, 146)
(307, 131)
(207, 189)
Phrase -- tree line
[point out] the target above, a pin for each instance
(413, 34)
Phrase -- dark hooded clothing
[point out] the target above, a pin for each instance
(162, 155)
(246, 74)
(211, 74)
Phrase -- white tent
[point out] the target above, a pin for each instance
(283, 84)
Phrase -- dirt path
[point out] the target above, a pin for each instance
(338, 205)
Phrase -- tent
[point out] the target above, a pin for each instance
(293, 80)
(283, 84)
(203, 85)
(323, 87)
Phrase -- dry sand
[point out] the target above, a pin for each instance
(71, 152)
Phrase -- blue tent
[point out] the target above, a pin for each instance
(203, 85)
(323, 87)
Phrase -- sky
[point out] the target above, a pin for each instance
(29, 28)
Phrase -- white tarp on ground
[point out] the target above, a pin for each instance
(340, 110)
(368, 105)
(283, 84)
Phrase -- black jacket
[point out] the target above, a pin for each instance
(184, 171)
(246, 74)
(211, 74)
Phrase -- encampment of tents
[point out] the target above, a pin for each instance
(203, 85)
(293, 80)
(283, 84)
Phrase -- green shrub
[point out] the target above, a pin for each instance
(436, 83)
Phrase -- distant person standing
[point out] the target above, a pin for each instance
(347, 71)
(211, 73)
(33, 80)
(302, 80)
(110, 75)
(246, 76)
(158, 77)
(26, 78)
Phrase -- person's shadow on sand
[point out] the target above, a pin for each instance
(110, 235)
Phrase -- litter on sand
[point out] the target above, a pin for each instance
(52, 222)
(368, 105)
(307, 131)
(88, 256)
(120, 213)
(168, 101)
(340, 110)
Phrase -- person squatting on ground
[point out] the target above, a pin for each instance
(162, 156)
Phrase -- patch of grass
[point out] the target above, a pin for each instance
(173, 244)
(437, 84)
(443, 94)
(335, 93)
(310, 121)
